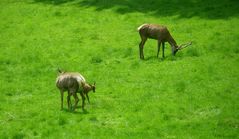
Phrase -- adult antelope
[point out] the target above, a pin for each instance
(160, 33)
(73, 82)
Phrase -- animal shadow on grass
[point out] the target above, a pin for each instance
(160, 59)
(150, 58)
(78, 110)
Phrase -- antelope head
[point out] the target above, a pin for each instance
(182, 46)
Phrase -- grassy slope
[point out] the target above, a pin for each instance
(192, 95)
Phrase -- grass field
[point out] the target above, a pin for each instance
(193, 95)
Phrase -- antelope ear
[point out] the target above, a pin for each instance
(60, 71)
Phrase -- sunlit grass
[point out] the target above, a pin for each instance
(191, 95)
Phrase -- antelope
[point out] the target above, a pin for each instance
(160, 33)
(73, 82)
(87, 88)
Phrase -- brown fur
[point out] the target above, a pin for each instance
(73, 83)
(157, 32)
(87, 88)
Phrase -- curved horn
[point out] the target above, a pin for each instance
(184, 46)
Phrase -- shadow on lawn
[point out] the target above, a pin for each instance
(77, 111)
(210, 9)
(54, 2)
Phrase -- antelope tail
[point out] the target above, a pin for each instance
(140, 27)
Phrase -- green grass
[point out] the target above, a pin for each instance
(192, 95)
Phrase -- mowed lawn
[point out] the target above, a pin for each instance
(194, 95)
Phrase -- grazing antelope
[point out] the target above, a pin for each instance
(160, 33)
(73, 82)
